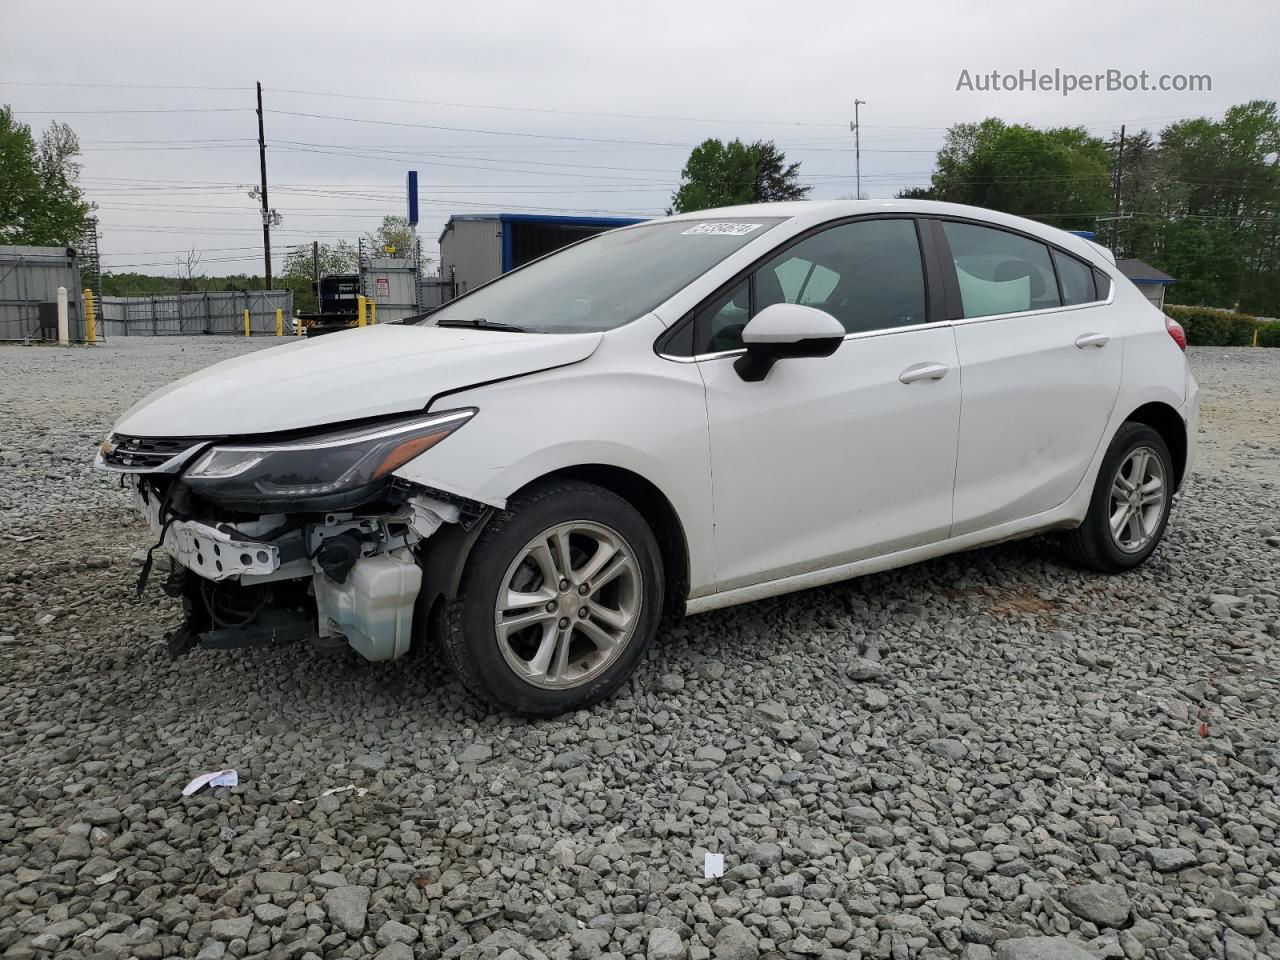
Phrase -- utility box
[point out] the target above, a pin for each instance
(475, 248)
(391, 283)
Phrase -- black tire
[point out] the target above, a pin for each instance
(1092, 545)
(470, 640)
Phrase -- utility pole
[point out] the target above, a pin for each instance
(266, 210)
(1115, 212)
(857, 146)
(315, 268)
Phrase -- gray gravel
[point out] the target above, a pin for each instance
(986, 756)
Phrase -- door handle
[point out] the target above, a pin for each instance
(923, 371)
(1092, 340)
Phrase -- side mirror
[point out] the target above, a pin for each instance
(783, 331)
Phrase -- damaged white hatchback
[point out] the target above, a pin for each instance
(667, 418)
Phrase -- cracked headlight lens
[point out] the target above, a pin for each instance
(336, 468)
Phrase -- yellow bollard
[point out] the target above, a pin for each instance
(90, 318)
(297, 325)
(373, 311)
(361, 307)
(279, 322)
(246, 323)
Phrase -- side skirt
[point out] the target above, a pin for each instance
(1060, 518)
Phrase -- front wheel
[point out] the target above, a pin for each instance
(560, 598)
(1130, 506)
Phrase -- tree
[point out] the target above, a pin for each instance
(298, 276)
(393, 239)
(1202, 203)
(40, 201)
(188, 279)
(725, 174)
(1059, 175)
(775, 179)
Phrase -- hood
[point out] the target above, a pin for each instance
(384, 369)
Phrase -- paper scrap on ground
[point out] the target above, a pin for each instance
(360, 791)
(219, 778)
(713, 866)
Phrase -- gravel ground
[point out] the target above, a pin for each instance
(986, 756)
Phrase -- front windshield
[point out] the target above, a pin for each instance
(606, 281)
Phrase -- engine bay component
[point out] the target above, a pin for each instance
(339, 579)
(373, 605)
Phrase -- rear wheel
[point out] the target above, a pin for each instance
(561, 596)
(1130, 506)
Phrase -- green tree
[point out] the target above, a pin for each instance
(721, 174)
(297, 274)
(394, 238)
(1058, 175)
(40, 201)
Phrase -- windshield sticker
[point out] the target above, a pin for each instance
(721, 228)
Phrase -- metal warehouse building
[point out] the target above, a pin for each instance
(475, 248)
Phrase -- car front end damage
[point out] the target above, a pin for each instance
(304, 536)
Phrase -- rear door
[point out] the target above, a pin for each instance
(1040, 353)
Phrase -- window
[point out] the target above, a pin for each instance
(1102, 283)
(608, 280)
(723, 318)
(867, 274)
(1000, 272)
(1076, 279)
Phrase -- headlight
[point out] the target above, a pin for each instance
(331, 470)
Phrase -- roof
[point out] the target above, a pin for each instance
(1143, 273)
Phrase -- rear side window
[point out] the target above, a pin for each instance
(1076, 279)
(1000, 272)
(1102, 284)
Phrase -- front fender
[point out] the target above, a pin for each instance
(624, 407)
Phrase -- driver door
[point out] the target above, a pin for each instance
(835, 459)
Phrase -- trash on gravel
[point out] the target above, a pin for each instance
(713, 866)
(360, 791)
(107, 877)
(218, 778)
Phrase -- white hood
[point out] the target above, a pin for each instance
(368, 372)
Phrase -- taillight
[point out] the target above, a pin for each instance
(1175, 330)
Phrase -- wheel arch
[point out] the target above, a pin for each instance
(1167, 422)
(444, 555)
(656, 509)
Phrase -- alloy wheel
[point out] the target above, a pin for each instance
(1139, 497)
(568, 604)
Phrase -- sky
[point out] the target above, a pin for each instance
(575, 107)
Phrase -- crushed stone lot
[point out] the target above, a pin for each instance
(991, 756)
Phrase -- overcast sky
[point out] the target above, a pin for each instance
(555, 106)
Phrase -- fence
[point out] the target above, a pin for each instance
(30, 277)
(219, 312)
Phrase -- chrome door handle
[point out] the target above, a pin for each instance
(923, 371)
(1092, 340)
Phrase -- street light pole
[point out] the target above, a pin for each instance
(857, 145)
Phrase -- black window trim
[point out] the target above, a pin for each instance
(955, 309)
(932, 273)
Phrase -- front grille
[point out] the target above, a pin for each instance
(146, 453)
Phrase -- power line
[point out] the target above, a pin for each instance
(560, 112)
(113, 86)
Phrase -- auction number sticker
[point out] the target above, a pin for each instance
(721, 228)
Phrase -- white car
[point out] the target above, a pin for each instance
(675, 416)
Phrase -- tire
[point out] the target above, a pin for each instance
(497, 659)
(1093, 545)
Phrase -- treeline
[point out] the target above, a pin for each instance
(1200, 199)
(147, 285)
